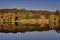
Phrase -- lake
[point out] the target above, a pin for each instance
(29, 32)
(34, 35)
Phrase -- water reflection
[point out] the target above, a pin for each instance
(18, 27)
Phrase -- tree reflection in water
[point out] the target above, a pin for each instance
(18, 27)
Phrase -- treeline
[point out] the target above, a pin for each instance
(26, 14)
(15, 10)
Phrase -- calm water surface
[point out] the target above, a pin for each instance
(35, 35)
(29, 32)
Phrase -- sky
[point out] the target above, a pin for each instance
(51, 5)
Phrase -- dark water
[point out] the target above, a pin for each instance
(29, 32)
